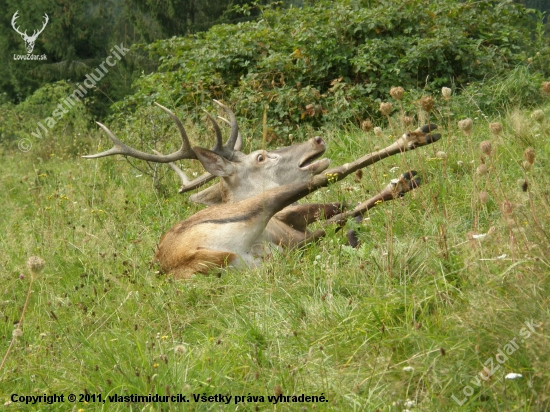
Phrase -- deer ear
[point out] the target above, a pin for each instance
(214, 163)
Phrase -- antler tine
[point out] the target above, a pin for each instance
(184, 139)
(239, 142)
(181, 174)
(230, 145)
(184, 151)
(218, 147)
(118, 146)
(199, 181)
(186, 184)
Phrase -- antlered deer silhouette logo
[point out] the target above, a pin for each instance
(29, 40)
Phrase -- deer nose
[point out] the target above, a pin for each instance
(318, 140)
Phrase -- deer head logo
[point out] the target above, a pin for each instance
(29, 40)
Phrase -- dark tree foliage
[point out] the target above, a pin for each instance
(81, 33)
(181, 17)
(78, 37)
(307, 58)
(542, 5)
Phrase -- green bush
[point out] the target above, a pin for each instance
(21, 121)
(336, 61)
(520, 87)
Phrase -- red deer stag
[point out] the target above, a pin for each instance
(253, 203)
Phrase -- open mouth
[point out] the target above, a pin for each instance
(309, 161)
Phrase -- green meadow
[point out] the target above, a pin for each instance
(443, 306)
(442, 280)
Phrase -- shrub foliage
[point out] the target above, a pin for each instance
(337, 60)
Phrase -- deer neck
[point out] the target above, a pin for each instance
(226, 193)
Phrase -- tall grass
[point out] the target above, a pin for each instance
(406, 321)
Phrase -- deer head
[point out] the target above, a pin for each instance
(241, 175)
(29, 40)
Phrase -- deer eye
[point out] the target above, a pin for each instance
(260, 158)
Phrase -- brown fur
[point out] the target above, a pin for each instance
(183, 266)
(254, 197)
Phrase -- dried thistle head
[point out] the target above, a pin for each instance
(441, 155)
(486, 147)
(378, 131)
(529, 155)
(358, 176)
(386, 108)
(446, 93)
(481, 170)
(17, 332)
(483, 197)
(495, 128)
(397, 92)
(277, 390)
(427, 103)
(538, 116)
(466, 126)
(407, 120)
(366, 125)
(523, 184)
(35, 264)
(507, 208)
(546, 87)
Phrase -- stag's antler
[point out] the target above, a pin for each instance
(184, 152)
(234, 135)
(239, 142)
(234, 143)
(225, 150)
